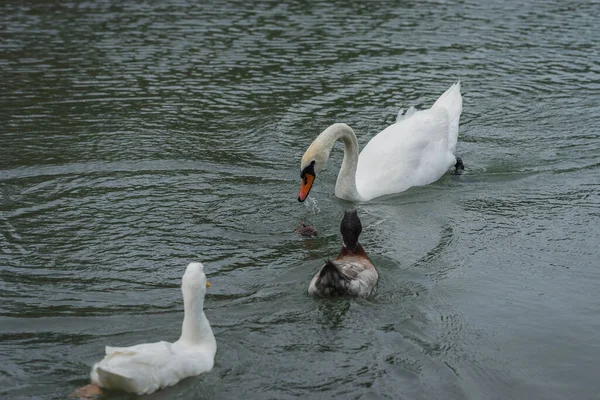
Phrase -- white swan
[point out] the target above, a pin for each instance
(352, 273)
(147, 367)
(417, 150)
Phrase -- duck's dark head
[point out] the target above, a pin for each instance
(350, 228)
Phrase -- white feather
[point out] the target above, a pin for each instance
(147, 367)
(415, 151)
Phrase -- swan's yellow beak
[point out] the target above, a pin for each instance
(307, 182)
(207, 284)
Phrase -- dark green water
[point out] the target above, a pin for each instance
(138, 137)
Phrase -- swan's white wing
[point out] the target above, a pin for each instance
(402, 116)
(412, 152)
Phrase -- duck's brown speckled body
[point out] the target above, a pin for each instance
(352, 273)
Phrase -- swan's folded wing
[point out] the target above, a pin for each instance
(409, 153)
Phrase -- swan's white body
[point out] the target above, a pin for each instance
(415, 151)
(147, 367)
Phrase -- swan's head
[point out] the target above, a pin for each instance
(312, 163)
(195, 278)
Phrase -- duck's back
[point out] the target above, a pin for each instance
(344, 278)
(352, 273)
(361, 270)
(145, 368)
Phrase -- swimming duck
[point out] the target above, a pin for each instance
(352, 273)
(305, 230)
(415, 151)
(147, 367)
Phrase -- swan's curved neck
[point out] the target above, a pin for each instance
(345, 187)
(195, 329)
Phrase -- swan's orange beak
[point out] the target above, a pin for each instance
(207, 284)
(305, 187)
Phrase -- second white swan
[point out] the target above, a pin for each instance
(415, 151)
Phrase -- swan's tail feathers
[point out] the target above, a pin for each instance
(451, 100)
(114, 380)
(402, 115)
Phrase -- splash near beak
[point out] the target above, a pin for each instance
(207, 284)
(307, 182)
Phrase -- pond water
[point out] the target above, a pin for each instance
(139, 136)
